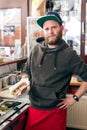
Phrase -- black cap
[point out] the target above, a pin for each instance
(51, 15)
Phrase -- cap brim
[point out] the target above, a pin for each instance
(43, 19)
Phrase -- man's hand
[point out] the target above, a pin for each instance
(66, 102)
(25, 76)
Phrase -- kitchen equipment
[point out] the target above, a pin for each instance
(6, 106)
(12, 78)
(9, 110)
(11, 106)
(5, 81)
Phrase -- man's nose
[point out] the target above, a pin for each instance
(50, 30)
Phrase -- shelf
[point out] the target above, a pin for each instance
(13, 61)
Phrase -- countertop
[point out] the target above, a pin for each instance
(24, 98)
(74, 81)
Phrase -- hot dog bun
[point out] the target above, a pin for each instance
(19, 88)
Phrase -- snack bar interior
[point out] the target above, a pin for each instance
(29, 40)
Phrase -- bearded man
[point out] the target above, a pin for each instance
(50, 67)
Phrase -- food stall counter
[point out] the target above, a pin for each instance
(74, 81)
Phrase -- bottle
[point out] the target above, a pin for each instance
(12, 53)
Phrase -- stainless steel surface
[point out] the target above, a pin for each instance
(12, 118)
(10, 115)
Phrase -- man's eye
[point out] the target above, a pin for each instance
(54, 27)
(46, 29)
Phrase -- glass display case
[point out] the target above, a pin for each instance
(12, 29)
(10, 26)
(70, 11)
(73, 13)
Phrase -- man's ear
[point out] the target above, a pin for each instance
(64, 30)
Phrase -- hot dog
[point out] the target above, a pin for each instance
(18, 88)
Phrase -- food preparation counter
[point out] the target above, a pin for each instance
(24, 98)
(74, 81)
(74, 84)
(16, 119)
(16, 114)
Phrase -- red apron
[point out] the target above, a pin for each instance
(54, 119)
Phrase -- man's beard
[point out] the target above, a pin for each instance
(56, 41)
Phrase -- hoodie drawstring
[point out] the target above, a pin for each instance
(42, 58)
(55, 60)
(55, 51)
